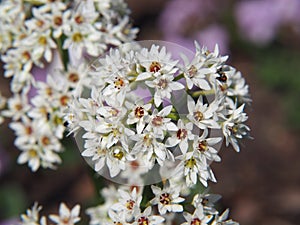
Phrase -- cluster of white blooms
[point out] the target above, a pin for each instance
(66, 216)
(30, 30)
(129, 205)
(39, 125)
(144, 109)
(52, 33)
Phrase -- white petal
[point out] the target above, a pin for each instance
(176, 86)
(143, 76)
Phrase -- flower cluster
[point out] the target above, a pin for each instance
(164, 205)
(144, 109)
(66, 216)
(56, 36)
(126, 205)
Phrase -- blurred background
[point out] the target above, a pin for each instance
(261, 184)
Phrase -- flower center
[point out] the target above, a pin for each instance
(32, 153)
(64, 100)
(26, 55)
(139, 112)
(196, 221)
(192, 71)
(73, 77)
(204, 201)
(129, 204)
(58, 20)
(147, 140)
(162, 83)
(234, 129)
(114, 112)
(143, 221)
(190, 163)
(57, 120)
(181, 134)
(157, 121)
(49, 91)
(119, 83)
(18, 107)
(65, 220)
(222, 76)
(134, 164)
(79, 19)
(165, 199)
(39, 23)
(202, 146)
(118, 154)
(155, 67)
(77, 37)
(45, 140)
(28, 130)
(198, 115)
(118, 223)
(42, 40)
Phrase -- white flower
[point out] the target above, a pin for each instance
(197, 218)
(84, 15)
(43, 44)
(222, 219)
(156, 62)
(116, 218)
(116, 160)
(118, 86)
(152, 148)
(164, 86)
(181, 137)
(146, 218)
(60, 21)
(210, 59)
(77, 78)
(135, 169)
(128, 203)
(234, 128)
(32, 216)
(96, 149)
(120, 32)
(237, 87)
(137, 115)
(24, 130)
(17, 106)
(81, 37)
(38, 21)
(206, 201)
(159, 123)
(98, 215)
(195, 72)
(204, 149)
(31, 154)
(202, 115)
(66, 216)
(191, 168)
(167, 199)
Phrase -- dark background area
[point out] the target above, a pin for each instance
(260, 185)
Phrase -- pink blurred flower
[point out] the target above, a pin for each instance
(259, 20)
(184, 21)
(178, 13)
(212, 35)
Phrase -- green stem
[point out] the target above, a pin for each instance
(202, 93)
(64, 54)
(179, 77)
